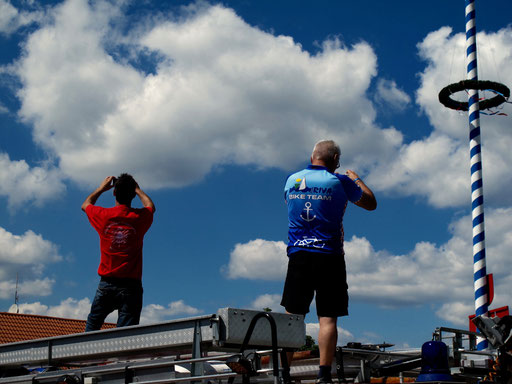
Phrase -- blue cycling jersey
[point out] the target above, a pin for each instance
(317, 199)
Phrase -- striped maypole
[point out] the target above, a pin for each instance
(477, 196)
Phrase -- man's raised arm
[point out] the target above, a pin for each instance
(144, 198)
(107, 184)
(367, 200)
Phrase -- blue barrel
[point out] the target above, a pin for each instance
(434, 362)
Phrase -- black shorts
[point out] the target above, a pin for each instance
(315, 272)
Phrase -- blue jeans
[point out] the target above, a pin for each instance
(125, 295)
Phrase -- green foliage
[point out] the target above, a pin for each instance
(309, 345)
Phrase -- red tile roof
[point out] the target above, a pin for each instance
(19, 327)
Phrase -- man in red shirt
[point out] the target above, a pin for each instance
(121, 230)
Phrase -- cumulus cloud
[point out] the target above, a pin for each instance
(244, 96)
(3, 109)
(258, 259)
(71, 308)
(271, 301)
(29, 308)
(440, 276)
(344, 336)
(437, 167)
(11, 19)
(26, 256)
(444, 54)
(401, 280)
(456, 312)
(389, 95)
(240, 94)
(155, 313)
(21, 183)
(68, 309)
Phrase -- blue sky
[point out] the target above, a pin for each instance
(210, 105)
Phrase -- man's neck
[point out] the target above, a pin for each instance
(321, 163)
(318, 162)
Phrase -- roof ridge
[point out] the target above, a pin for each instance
(46, 317)
(16, 327)
(40, 316)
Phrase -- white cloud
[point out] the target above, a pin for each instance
(389, 95)
(29, 308)
(437, 167)
(36, 287)
(271, 301)
(344, 336)
(244, 96)
(28, 286)
(11, 19)
(68, 309)
(26, 256)
(22, 184)
(456, 312)
(72, 309)
(3, 109)
(440, 276)
(417, 278)
(79, 309)
(238, 94)
(7, 14)
(154, 313)
(258, 259)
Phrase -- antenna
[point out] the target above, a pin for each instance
(16, 297)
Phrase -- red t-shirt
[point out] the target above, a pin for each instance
(121, 231)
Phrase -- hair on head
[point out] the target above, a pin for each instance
(124, 188)
(325, 150)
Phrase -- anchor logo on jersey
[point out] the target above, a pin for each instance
(308, 209)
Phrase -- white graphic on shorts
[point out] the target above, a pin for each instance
(308, 209)
(121, 235)
(309, 242)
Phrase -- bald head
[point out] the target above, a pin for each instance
(326, 153)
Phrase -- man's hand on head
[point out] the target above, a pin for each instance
(107, 184)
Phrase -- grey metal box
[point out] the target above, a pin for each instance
(234, 323)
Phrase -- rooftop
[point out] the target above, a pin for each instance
(16, 327)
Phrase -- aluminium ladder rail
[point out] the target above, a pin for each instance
(221, 332)
(157, 371)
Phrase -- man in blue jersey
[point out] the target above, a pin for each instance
(317, 198)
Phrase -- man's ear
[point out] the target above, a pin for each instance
(335, 161)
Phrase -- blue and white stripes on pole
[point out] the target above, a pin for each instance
(477, 196)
